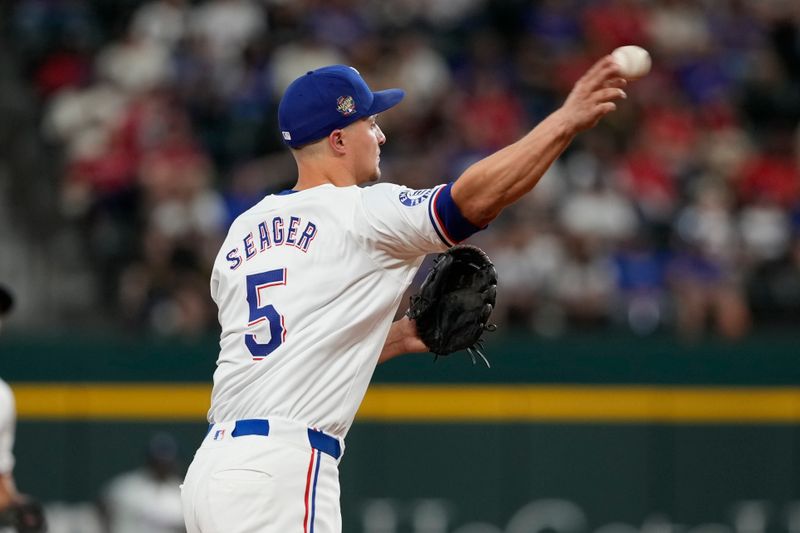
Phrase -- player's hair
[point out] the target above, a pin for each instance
(312, 149)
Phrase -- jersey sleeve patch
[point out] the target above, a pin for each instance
(410, 197)
(451, 226)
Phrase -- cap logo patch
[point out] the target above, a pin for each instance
(346, 105)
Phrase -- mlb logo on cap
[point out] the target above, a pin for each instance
(328, 99)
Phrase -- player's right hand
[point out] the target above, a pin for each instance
(594, 95)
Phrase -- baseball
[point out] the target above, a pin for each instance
(634, 61)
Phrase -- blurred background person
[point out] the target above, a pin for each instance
(159, 116)
(17, 510)
(147, 498)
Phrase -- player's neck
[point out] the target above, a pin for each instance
(322, 172)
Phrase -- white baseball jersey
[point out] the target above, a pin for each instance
(307, 284)
(8, 421)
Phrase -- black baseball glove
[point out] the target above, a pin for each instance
(454, 302)
(25, 517)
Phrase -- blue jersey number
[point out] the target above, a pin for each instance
(261, 311)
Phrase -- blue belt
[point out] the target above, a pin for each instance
(317, 439)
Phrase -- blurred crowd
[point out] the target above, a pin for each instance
(679, 212)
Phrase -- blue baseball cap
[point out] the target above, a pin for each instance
(327, 99)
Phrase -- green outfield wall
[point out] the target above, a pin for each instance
(580, 435)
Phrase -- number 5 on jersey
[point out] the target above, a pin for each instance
(256, 285)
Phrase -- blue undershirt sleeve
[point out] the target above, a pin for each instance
(451, 226)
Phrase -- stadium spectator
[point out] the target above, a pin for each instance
(161, 117)
(147, 498)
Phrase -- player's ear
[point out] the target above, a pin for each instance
(336, 141)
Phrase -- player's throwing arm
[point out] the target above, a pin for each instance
(491, 184)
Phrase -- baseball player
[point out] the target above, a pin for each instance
(8, 419)
(8, 489)
(307, 283)
(18, 512)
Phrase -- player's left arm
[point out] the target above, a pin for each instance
(8, 491)
(402, 338)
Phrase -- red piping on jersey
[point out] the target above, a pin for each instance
(308, 487)
(257, 321)
(438, 218)
(266, 285)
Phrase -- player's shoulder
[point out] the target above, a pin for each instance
(382, 188)
(322, 202)
(268, 203)
(290, 197)
(400, 195)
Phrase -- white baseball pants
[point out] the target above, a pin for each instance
(243, 481)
